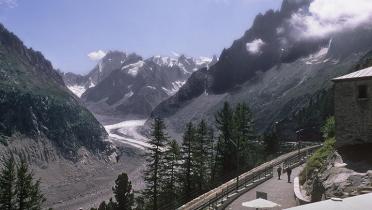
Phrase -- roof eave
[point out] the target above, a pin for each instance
(351, 79)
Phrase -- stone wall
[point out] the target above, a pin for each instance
(353, 115)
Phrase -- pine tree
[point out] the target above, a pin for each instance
(7, 184)
(140, 203)
(102, 206)
(225, 161)
(271, 145)
(111, 205)
(29, 196)
(169, 176)
(187, 168)
(201, 156)
(158, 140)
(211, 153)
(244, 134)
(123, 192)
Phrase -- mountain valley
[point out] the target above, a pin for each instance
(79, 132)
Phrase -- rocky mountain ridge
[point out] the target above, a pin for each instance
(35, 103)
(64, 144)
(133, 86)
(276, 79)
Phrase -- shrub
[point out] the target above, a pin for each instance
(317, 160)
(329, 128)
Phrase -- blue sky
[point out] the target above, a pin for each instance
(66, 31)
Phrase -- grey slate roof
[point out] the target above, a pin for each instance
(364, 73)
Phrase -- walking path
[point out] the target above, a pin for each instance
(278, 191)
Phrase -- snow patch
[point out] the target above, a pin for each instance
(175, 87)
(134, 68)
(186, 64)
(91, 84)
(203, 61)
(183, 68)
(319, 57)
(128, 95)
(78, 90)
(100, 67)
(151, 87)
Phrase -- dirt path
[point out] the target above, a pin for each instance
(278, 191)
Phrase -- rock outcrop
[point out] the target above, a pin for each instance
(347, 172)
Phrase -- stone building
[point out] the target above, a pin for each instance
(353, 108)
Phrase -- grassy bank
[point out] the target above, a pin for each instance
(317, 160)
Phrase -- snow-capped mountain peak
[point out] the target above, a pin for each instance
(133, 68)
(129, 84)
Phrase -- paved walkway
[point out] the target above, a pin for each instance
(278, 191)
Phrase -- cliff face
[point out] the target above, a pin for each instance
(35, 103)
(279, 79)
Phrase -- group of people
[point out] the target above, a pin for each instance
(288, 170)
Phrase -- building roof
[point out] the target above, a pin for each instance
(364, 73)
(360, 202)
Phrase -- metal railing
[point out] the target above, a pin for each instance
(223, 195)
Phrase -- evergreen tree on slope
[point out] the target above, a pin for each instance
(158, 140)
(29, 196)
(7, 183)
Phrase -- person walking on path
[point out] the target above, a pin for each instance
(289, 171)
(279, 170)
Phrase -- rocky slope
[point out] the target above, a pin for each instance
(35, 102)
(44, 122)
(131, 86)
(346, 172)
(274, 72)
(318, 108)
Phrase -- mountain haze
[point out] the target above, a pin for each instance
(272, 70)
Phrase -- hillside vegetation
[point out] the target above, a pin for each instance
(34, 102)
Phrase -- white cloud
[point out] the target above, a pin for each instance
(9, 3)
(175, 54)
(326, 17)
(96, 55)
(254, 47)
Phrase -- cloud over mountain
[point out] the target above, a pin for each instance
(254, 47)
(326, 17)
(96, 55)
